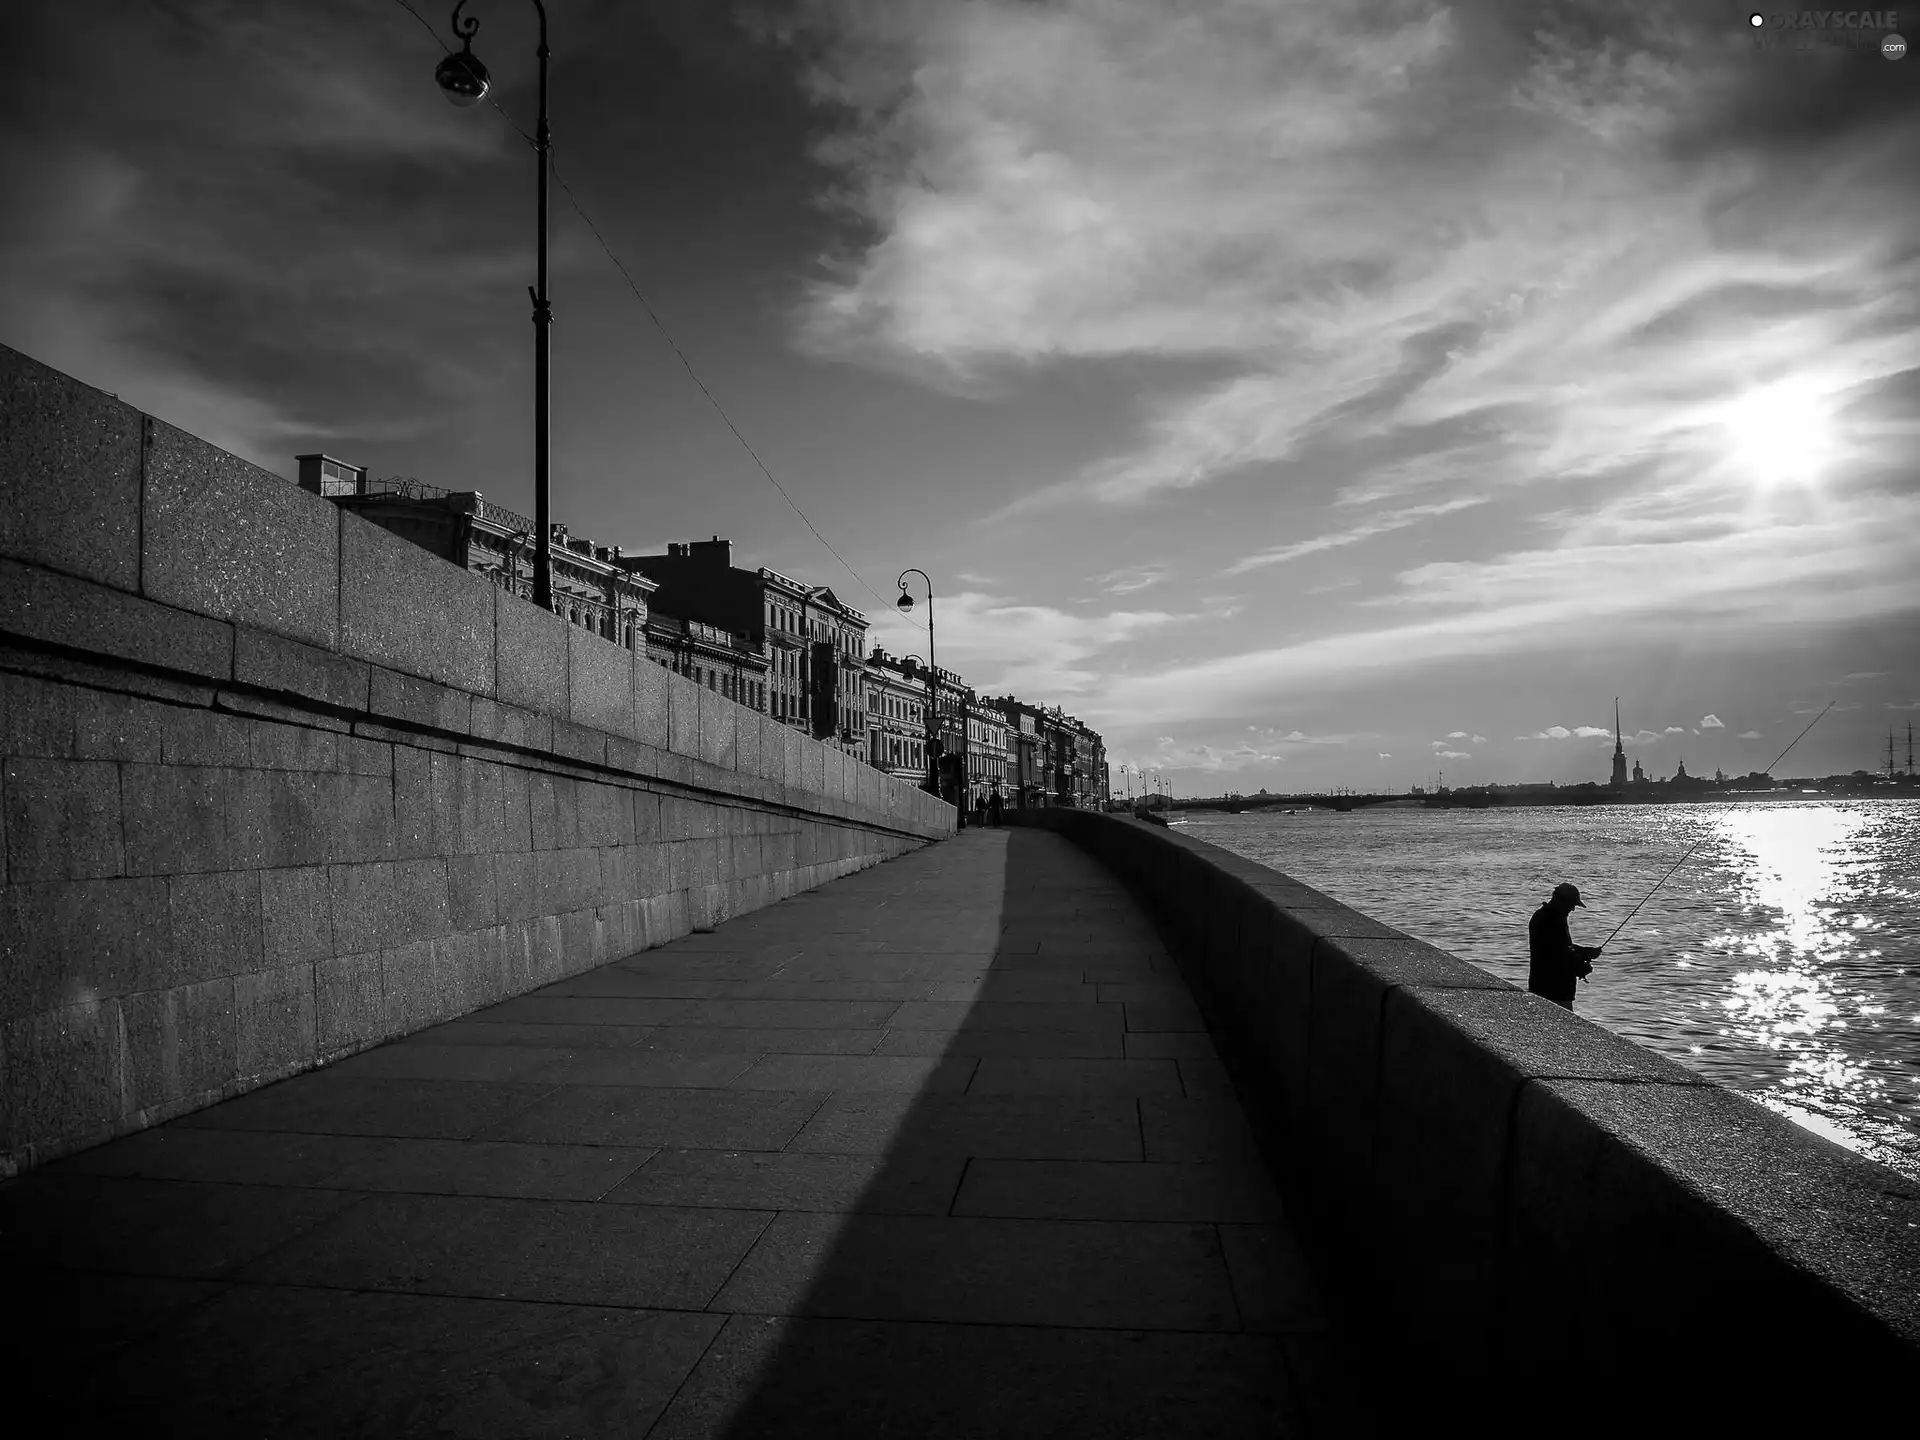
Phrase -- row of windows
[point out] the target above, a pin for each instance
(893, 706)
(893, 751)
(790, 622)
(736, 687)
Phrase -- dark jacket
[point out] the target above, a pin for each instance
(1555, 963)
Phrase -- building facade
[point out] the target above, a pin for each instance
(814, 645)
(907, 676)
(1051, 758)
(591, 586)
(1025, 742)
(897, 716)
(732, 665)
(987, 755)
(1086, 764)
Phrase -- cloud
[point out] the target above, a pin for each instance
(1274, 736)
(1042, 653)
(1126, 582)
(1384, 755)
(1454, 735)
(1840, 566)
(1712, 722)
(1748, 735)
(1378, 525)
(1676, 730)
(1559, 732)
(1453, 755)
(1858, 675)
(1479, 739)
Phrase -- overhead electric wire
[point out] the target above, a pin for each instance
(666, 334)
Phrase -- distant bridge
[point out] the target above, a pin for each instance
(1471, 799)
(1235, 803)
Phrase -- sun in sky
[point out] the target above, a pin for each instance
(1781, 433)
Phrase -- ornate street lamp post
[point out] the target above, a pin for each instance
(465, 82)
(904, 604)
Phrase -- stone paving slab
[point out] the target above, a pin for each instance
(270, 1360)
(1065, 1044)
(795, 1180)
(814, 1377)
(939, 1150)
(328, 1102)
(688, 1116)
(654, 1256)
(453, 1062)
(1104, 1274)
(1109, 1190)
(656, 1068)
(367, 1162)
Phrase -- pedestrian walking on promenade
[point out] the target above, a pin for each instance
(993, 808)
(1555, 963)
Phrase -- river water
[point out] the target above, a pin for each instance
(1782, 959)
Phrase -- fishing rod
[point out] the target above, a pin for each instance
(1704, 838)
(1657, 884)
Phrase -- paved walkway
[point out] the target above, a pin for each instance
(941, 1149)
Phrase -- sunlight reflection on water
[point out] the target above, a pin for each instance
(1783, 959)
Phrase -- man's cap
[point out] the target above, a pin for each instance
(1570, 893)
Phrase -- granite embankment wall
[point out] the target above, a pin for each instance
(277, 785)
(1541, 1227)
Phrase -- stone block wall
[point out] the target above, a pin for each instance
(1534, 1225)
(276, 785)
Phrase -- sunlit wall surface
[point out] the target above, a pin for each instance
(1782, 959)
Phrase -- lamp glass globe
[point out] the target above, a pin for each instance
(905, 602)
(462, 79)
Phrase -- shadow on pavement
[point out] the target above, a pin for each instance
(1070, 1230)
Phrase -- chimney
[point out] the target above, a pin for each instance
(323, 475)
(715, 552)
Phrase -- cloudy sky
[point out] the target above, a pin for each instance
(1304, 394)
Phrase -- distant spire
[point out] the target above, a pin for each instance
(1619, 751)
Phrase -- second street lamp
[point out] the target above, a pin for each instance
(465, 81)
(904, 604)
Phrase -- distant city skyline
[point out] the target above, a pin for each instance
(1301, 395)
